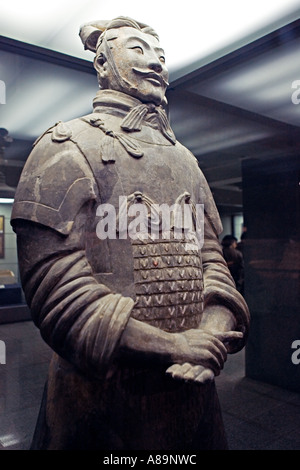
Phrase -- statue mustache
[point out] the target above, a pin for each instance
(154, 75)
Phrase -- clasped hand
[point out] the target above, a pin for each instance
(202, 354)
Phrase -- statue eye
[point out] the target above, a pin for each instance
(138, 49)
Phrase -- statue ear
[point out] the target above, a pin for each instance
(101, 59)
(100, 64)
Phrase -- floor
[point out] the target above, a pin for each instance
(257, 416)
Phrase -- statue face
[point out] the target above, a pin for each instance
(140, 62)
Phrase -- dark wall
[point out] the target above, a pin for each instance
(272, 263)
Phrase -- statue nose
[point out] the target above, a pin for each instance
(156, 66)
(154, 63)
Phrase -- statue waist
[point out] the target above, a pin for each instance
(166, 283)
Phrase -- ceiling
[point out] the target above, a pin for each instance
(207, 26)
(226, 103)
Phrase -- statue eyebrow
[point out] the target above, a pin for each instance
(145, 44)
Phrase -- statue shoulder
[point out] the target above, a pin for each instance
(188, 155)
(64, 131)
(192, 162)
(56, 179)
(206, 197)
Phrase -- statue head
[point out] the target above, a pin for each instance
(128, 58)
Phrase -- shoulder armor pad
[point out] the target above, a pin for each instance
(61, 132)
(55, 182)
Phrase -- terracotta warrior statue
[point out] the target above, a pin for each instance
(140, 323)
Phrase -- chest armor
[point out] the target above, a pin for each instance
(162, 275)
(168, 285)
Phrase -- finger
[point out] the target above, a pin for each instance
(175, 371)
(229, 335)
(197, 334)
(186, 367)
(172, 368)
(219, 351)
(208, 336)
(205, 376)
(193, 372)
(215, 346)
(212, 361)
(199, 337)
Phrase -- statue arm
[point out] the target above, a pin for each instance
(225, 309)
(226, 313)
(78, 318)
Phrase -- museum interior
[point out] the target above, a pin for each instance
(237, 109)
